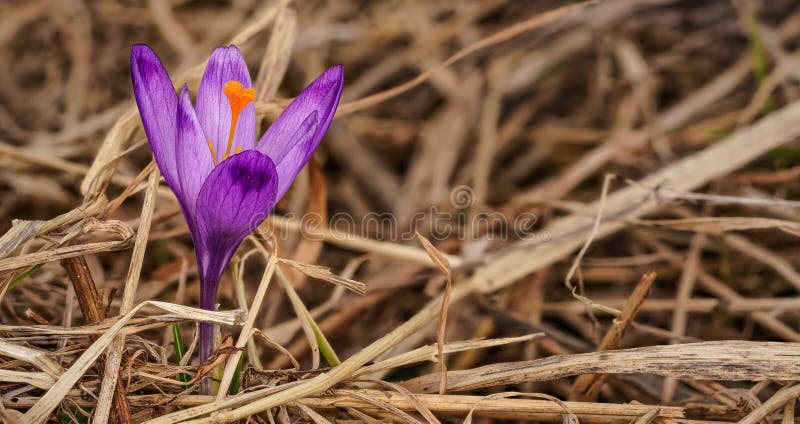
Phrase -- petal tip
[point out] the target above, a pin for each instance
(139, 48)
(335, 74)
(224, 51)
(142, 52)
(186, 115)
(146, 64)
(233, 47)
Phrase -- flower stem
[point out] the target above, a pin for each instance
(237, 376)
(180, 350)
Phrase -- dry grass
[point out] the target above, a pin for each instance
(647, 148)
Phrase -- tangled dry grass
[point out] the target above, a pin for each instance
(560, 211)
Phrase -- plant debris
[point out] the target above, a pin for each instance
(524, 211)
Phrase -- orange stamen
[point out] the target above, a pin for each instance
(238, 97)
(213, 155)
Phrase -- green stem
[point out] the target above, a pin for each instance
(24, 275)
(325, 348)
(237, 377)
(180, 351)
(302, 312)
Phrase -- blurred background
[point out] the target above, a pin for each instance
(516, 133)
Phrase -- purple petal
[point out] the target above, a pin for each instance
(155, 96)
(292, 162)
(213, 110)
(237, 195)
(193, 157)
(280, 142)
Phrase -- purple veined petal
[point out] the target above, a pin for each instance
(157, 102)
(213, 109)
(237, 195)
(321, 96)
(293, 161)
(235, 198)
(192, 156)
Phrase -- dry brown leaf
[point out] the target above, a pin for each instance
(444, 267)
(724, 360)
(718, 225)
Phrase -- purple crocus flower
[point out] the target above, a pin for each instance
(225, 182)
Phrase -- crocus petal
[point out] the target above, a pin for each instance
(292, 162)
(320, 97)
(155, 96)
(213, 110)
(235, 198)
(237, 195)
(193, 157)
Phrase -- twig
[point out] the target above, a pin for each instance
(261, 400)
(444, 268)
(131, 284)
(593, 382)
(43, 407)
(568, 233)
(680, 315)
(92, 309)
(536, 21)
(784, 395)
(524, 409)
(727, 360)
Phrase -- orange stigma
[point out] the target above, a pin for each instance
(238, 97)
